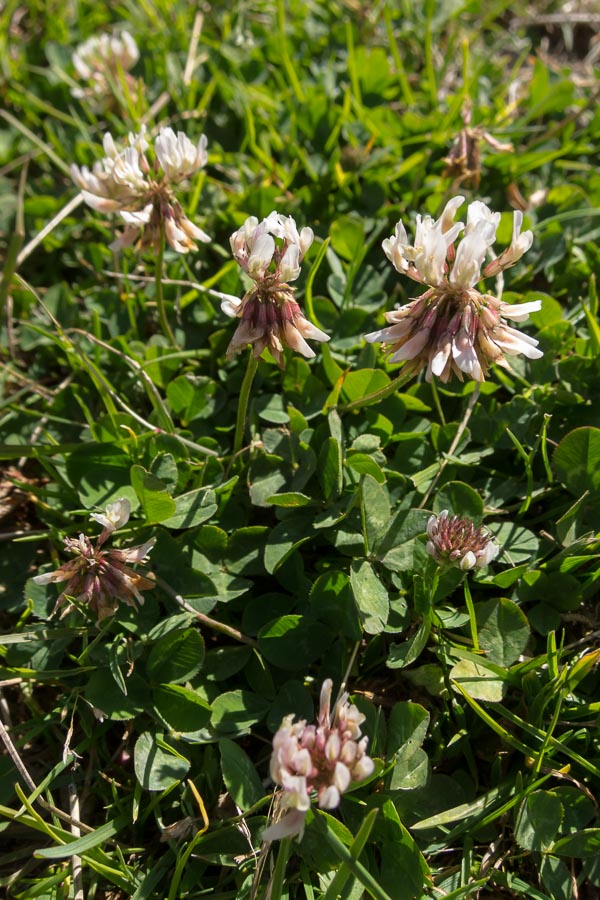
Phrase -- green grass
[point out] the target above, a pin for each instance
(290, 541)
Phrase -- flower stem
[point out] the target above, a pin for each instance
(381, 394)
(434, 586)
(343, 853)
(214, 624)
(160, 299)
(278, 880)
(240, 424)
(472, 617)
(459, 433)
(436, 400)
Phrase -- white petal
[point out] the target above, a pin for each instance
(412, 347)
(431, 527)
(468, 561)
(464, 354)
(363, 768)
(514, 342)
(140, 217)
(293, 339)
(491, 551)
(290, 825)
(102, 204)
(231, 306)
(115, 516)
(310, 331)
(46, 578)
(520, 311)
(330, 798)
(333, 746)
(341, 777)
(447, 217)
(440, 360)
(477, 214)
(193, 231)
(261, 255)
(306, 238)
(470, 253)
(289, 266)
(109, 146)
(139, 554)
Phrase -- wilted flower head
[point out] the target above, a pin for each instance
(454, 541)
(464, 160)
(97, 576)
(101, 59)
(323, 759)
(453, 328)
(271, 252)
(125, 182)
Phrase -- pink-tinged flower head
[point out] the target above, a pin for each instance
(101, 577)
(125, 181)
(270, 253)
(454, 329)
(454, 541)
(322, 759)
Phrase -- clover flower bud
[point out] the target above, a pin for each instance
(455, 541)
(322, 760)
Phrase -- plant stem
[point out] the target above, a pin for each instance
(221, 627)
(436, 400)
(372, 888)
(160, 300)
(472, 617)
(381, 394)
(459, 433)
(434, 586)
(278, 881)
(240, 424)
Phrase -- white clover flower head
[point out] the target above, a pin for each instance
(123, 182)
(453, 328)
(101, 577)
(456, 541)
(100, 61)
(106, 52)
(271, 253)
(323, 760)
